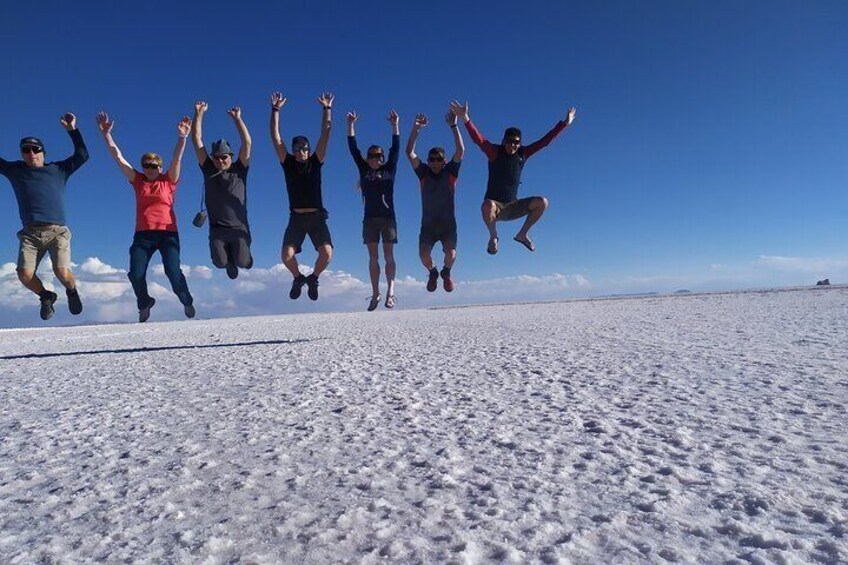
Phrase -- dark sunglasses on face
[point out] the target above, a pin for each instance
(223, 157)
(513, 142)
(435, 158)
(375, 156)
(301, 148)
(31, 149)
(150, 165)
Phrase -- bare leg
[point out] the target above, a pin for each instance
(374, 267)
(325, 254)
(65, 276)
(537, 207)
(391, 268)
(489, 211)
(424, 252)
(30, 280)
(290, 260)
(450, 257)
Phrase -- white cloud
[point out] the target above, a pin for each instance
(804, 264)
(95, 266)
(8, 270)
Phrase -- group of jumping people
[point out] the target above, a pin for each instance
(40, 189)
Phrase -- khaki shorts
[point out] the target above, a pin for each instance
(38, 240)
(508, 211)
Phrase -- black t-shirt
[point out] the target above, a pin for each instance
(226, 194)
(437, 192)
(303, 182)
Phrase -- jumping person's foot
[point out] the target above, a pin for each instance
(297, 286)
(189, 310)
(250, 263)
(74, 302)
(493, 246)
(312, 287)
(144, 313)
(375, 300)
(525, 241)
(391, 301)
(47, 299)
(433, 280)
(447, 282)
(232, 271)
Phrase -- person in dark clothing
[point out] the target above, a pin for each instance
(308, 216)
(40, 191)
(377, 182)
(155, 221)
(225, 192)
(506, 162)
(438, 188)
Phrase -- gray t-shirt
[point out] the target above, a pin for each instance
(437, 192)
(226, 194)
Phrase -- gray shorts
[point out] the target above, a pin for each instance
(38, 240)
(507, 211)
(375, 229)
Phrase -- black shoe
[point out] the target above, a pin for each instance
(144, 313)
(189, 310)
(47, 300)
(232, 271)
(446, 280)
(312, 290)
(74, 302)
(297, 285)
(433, 280)
(375, 300)
(249, 263)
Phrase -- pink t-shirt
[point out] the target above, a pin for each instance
(154, 203)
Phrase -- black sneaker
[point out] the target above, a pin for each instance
(47, 300)
(189, 310)
(232, 271)
(297, 285)
(74, 302)
(312, 283)
(375, 300)
(433, 280)
(144, 313)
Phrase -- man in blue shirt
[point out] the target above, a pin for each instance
(40, 190)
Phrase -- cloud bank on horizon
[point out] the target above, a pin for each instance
(108, 296)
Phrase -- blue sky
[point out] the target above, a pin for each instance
(709, 150)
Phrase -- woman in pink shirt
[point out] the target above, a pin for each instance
(155, 222)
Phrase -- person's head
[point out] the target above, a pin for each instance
(222, 155)
(436, 159)
(512, 140)
(151, 165)
(375, 157)
(32, 151)
(300, 148)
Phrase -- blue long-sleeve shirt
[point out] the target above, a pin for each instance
(40, 191)
(378, 185)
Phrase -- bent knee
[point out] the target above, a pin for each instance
(541, 202)
(25, 275)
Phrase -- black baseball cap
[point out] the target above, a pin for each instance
(31, 142)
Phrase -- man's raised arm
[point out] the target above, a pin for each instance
(326, 101)
(200, 108)
(246, 142)
(420, 122)
(277, 102)
(450, 118)
(80, 156)
(461, 111)
(551, 135)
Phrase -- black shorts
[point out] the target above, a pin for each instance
(507, 211)
(375, 229)
(432, 232)
(313, 224)
(230, 246)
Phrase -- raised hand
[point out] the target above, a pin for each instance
(326, 100)
(68, 121)
(461, 110)
(277, 100)
(234, 113)
(184, 127)
(570, 117)
(450, 118)
(421, 121)
(104, 123)
(393, 117)
(352, 117)
(200, 106)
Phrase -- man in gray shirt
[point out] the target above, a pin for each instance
(225, 191)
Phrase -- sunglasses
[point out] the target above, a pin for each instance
(31, 149)
(150, 165)
(223, 157)
(513, 142)
(301, 148)
(375, 155)
(435, 158)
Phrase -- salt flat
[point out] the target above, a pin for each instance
(698, 428)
